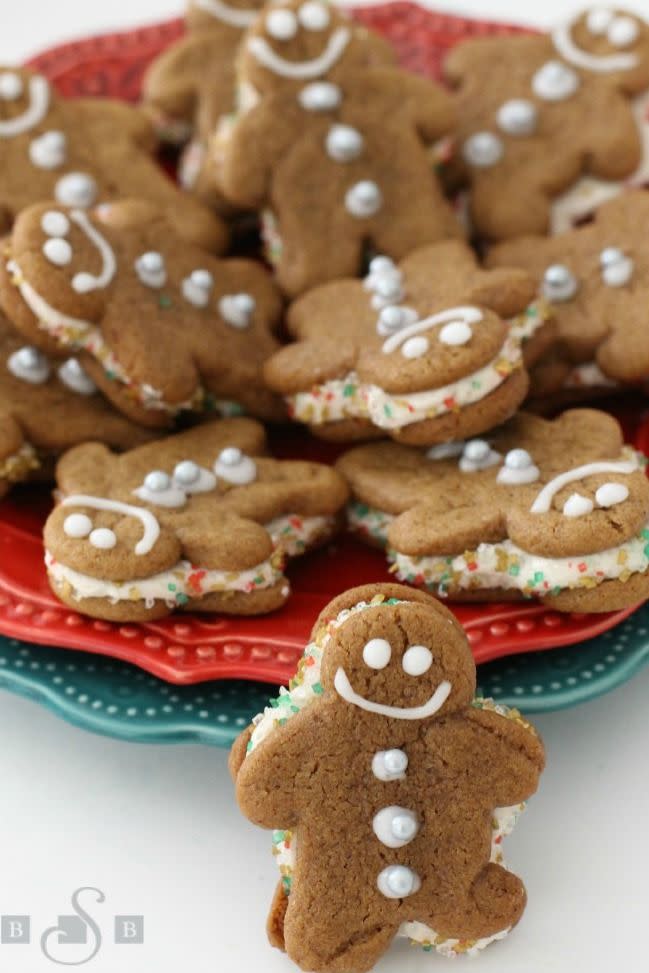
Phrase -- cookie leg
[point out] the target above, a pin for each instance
(276, 917)
(309, 256)
(494, 902)
(331, 944)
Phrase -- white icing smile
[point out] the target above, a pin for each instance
(599, 63)
(233, 16)
(39, 103)
(344, 689)
(85, 282)
(264, 53)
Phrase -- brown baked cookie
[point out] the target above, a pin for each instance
(389, 788)
(555, 510)
(159, 325)
(428, 350)
(47, 407)
(549, 125)
(597, 279)
(200, 521)
(333, 149)
(80, 152)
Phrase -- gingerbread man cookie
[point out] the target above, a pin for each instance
(200, 521)
(159, 325)
(334, 149)
(427, 350)
(537, 113)
(597, 279)
(555, 510)
(389, 787)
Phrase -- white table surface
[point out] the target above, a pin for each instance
(157, 830)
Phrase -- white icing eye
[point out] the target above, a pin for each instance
(559, 284)
(577, 505)
(610, 494)
(235, 467)
(343, 143)
(395, 826)
(320, 96)
(598, 20)
(478, 455)
(519, 468)
(30, 365)
(313, 15)
(75, 378)
(363, 199)
(482, 150)
(555, 81)
(48, 151)
(151, 269)
(55, 224)
(58, 251)
(237, 309)
(398, 882)
(622, 32)
(281, 25)
(445, 450)
(83, 283)
(192, 478)
(11, 86)
(77, 525)
(617, 268)
(517, 117)
(456, 333)
(390, 764)
(103, 538)
(76, 189)
(417, 660)
(377, 653)
(198, 287)
(415, 347)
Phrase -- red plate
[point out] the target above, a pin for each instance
(187, 649)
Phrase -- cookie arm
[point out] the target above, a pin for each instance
(106, 116)
(511, 757)
(172, 81)
(611, 141)
(431, 109)
(257, 141)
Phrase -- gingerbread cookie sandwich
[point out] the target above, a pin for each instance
(550, 125)
(554, 510)
(380, 757)
(83, 151)
(333, 151)
(160, 326)
(200, 521)
(431, 349)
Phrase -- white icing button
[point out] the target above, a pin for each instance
(445, 450)
(55, 224)
(380, 266)
(363, 199)
(477, 455)
(577, 505)
(187, 472)
(49, 150)
(398, 882)
(313, 15)
(518, 116)
(103, 538)
(482, 150)
(391, 319)
(58, 251)
(158, 489)
(320, 96)
(395, 826)
(622, 32)
(77, 525)
(76, 189)
(75, 378)
(237, 309)
(235, 467)
(617, 268)
(389, 764)
(387, 289)
(281, 25)
(559, 284)
(456, 333)
(192, 478)
(519, 468)
(415, 347)
(417, 659)
(197, 288)
(598, 20)
(610, 494)
(30, 365)
(343, 143)
(555, 81)
(151, 269)
(11, 86)
(377, 653)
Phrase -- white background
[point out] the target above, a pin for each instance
(156, 828)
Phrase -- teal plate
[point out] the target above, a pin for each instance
(120, 700)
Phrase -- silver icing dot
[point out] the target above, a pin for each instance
(477, 455)
(197, 288)
(398, 882)
(391, 319)
(343, 143)
(518, 116)
(482, 150)
(76, 189)
(237, 309)
(157, 482)
(555, 81)
(187, 472)
(519, 467)
(559, 283)
(230, 456)
(320, 96)
(151, 270)
(234, 467)
(617, 268)
(30, 365)
(363, 199)
(75, 378)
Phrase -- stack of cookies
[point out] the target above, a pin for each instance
(419, 278)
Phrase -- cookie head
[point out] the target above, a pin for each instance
(607, 42)
(403, 661)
